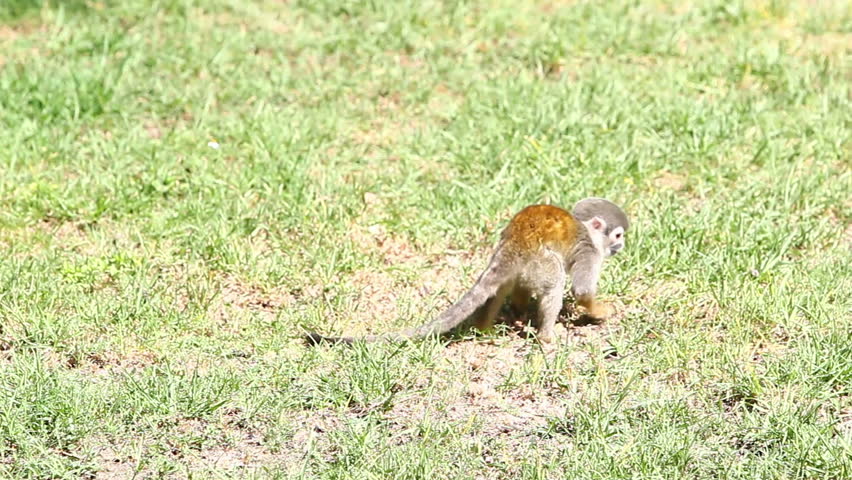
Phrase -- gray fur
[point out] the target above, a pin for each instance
(549, 288)
(587, 260)
(591, 207)
(585, 274)
(488, 284)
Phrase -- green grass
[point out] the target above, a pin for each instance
(153, 289)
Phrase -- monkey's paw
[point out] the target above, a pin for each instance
(601, 311)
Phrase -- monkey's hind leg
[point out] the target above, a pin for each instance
(549, 307)
(547, 282)
(520, 301)
(485, 320)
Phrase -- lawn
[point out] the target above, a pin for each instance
(188, 186)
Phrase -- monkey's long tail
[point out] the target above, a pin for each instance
(497, 273)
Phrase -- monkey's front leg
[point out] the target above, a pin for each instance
(584, 286)
(597, 310)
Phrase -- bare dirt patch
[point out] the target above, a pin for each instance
(68, 235)
(556, 5)
(505, 409)
(82, 237)
(705, 308)
(844, 424)
(238, 449)
(836, 218)
(244, 295)
(393, 249)
(669, 180)
(482, 384)
(381, 297)
(384, 133)
(383, 294)
(153, 130)
(245, 18)
(111, 465)
(378, 294)
(831, 44)
(229, 450)
(130, 359)
(231, 296)
(10, 34)
(393, 118)
(224, 296)
(21, 29)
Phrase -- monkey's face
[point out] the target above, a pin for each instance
(614, 241)
(608, 240)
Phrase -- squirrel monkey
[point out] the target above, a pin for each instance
(540, 248)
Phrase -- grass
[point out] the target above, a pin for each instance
(153, 288)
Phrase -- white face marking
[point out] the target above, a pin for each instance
(597, 230)
(616, 240)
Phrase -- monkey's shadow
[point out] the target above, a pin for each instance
(568, 315)
(524, 323)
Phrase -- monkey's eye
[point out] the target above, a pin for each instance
(618, 235)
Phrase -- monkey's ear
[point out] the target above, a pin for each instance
(597, 223)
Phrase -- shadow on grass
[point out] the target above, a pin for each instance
(507, 321)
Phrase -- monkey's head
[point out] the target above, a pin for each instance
(612, 221)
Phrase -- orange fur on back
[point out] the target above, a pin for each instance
(541, 225)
